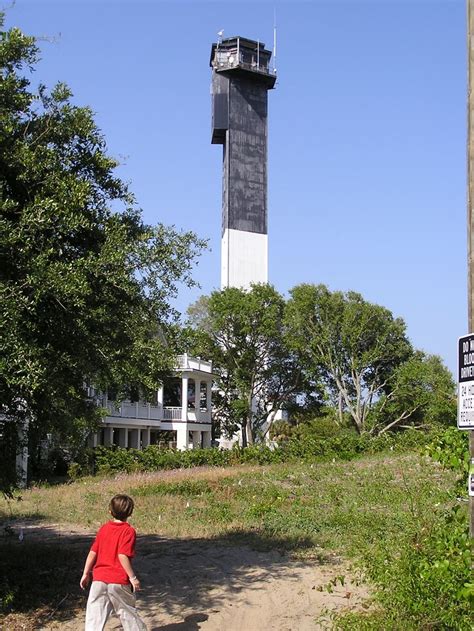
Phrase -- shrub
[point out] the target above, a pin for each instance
(323, 426)
(451, 448)
(425, 583)
(344, 446)
(111, 459)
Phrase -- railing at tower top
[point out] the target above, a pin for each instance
(226, 58)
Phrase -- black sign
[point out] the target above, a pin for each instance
(466, 382)
(466, 358)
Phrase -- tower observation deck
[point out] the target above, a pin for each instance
(241, 77)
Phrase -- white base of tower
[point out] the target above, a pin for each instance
(244, 258)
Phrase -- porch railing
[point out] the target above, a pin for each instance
(186, 362)
(152, 412)
(172, 414)
(134, 410)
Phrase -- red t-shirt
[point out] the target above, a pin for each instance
(112, 539)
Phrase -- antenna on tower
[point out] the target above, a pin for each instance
(274, 40)
(220, 35)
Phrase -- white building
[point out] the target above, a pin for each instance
(182, 406)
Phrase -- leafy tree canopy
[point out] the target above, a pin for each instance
(85, 284)
(421, 394)
(243, 332)
(353, 344)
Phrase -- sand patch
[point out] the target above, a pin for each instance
(192, 584)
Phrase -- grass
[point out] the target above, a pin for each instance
(353, 509)
(336, 504)
(39, 582)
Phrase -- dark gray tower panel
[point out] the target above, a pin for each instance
(245, 163)
(220, 108)
(240, 80)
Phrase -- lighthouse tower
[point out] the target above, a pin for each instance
(241, 77)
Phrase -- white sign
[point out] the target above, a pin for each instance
(466, 382)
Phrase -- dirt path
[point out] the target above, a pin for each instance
(192, 584)
(195, 584)
(233, 589)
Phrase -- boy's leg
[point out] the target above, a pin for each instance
(99, 607)
(125, 606)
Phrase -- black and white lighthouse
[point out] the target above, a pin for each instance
(241, 77)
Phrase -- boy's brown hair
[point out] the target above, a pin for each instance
(121, 507)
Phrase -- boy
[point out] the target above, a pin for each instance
(113, 580)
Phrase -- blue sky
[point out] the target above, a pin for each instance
(367, 136)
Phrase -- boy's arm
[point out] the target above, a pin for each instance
(90, 562)
(127, 566)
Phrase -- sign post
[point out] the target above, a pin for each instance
(470, 204)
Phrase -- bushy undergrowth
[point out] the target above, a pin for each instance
(451, 449)
(345, 446)
(34, 575)
(424, 582)
(378, 510)
(396, 517)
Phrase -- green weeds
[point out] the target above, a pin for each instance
(345, 446)
(393, 515)
(186, 488)
(423, 569)
(37, 575)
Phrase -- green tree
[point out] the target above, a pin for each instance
(243, 332)
(85, 285)
(421, 394)
(353, 344)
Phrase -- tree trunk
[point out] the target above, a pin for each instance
(244, 434)
(248, 428)
(357, 424)
(340, 409)
(250, 401)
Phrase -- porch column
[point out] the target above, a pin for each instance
(184, 398)
(208, 398)
(93, 440)
(146, 437)
(134, 439)
(182, 437)
(108, 435)
(197, 399)
(22, 455)
(196, 440)
(206, 440)
(159, 397)
(123, 437)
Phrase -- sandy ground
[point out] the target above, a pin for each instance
(232, 589)
(195, 584)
